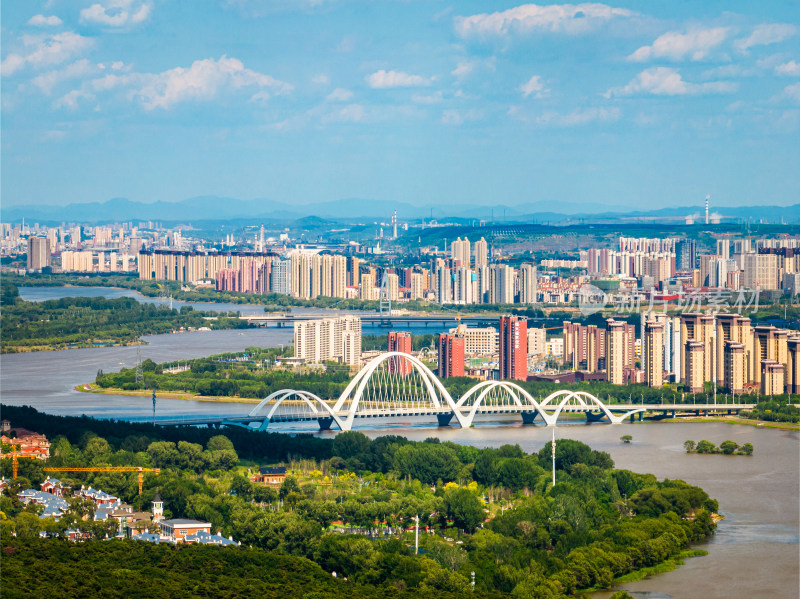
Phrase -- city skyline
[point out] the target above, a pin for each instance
(620, 105)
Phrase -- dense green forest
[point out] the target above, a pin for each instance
(775, 409)
(490, 511)
(81, 321)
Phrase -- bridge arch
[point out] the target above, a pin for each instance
(585, 399)
(435, 392)
(482, 392)
(274, 400)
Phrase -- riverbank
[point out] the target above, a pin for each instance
(186, 396)
(785, 426)
(24, 349)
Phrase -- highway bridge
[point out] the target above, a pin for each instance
(373, 320)
(397, 385)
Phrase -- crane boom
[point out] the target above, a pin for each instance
(138, 469)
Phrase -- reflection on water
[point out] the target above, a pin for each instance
(753, 554)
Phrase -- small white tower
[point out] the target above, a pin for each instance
(394, 224)
(158, 508)
(708, 197)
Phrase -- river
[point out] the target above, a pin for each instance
(754, 552)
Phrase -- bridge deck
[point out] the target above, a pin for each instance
(482, 410)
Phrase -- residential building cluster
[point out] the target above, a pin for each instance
(151, 526)
(23, 442)
(691, 349)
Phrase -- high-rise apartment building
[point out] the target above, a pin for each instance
(501, 285)
(477, 341)
(338, 276)
(537, 341)
(769, 344)
(481, 253)
(584, 347)
(686, 255)
(417, 286)
(734, 370)
(451, 356)
(459, 251)
(654, 353)
(301, 275)
(38, 253)
(353, 274)
(327, 339)
(513, 348)
(399, 341)
(366, 289)
(760, 271)
(462, 286)
(697, 327)
(281, 277)
(444, 286)
(735, 328)
(615, 351)
(793, 365)
(772, 377)
(393, 286)
(527, 284)
(694, 364)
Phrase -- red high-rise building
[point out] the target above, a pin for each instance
(401, 342)
(513, 348)
(451, 356)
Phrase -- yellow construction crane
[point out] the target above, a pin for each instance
(15, 460)
(138, 469)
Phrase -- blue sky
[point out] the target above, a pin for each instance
(635, 104)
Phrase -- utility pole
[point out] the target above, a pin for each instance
(139, 376)
(416, 539)
(553, 448)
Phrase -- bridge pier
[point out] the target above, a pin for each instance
(529, 417)
(444, 419)
(594, 416)
(325, 423)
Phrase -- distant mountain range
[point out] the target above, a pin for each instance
(214, 208)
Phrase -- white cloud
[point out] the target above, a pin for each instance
(765, 34)
(321, 79)
(387, 79)
(535, 87)
(676, 46)
(793, 92)
(566, 18)
(262, 96)
(665, 81)
(47, 81)
(257, 9)
(116, 13)
(340, 95)
(459, 117)
(43, 21)
(352, 113)
(790, 69)
(467, 67)
(430, 99)
(41, 50)
(202, 81)
(579, 117)
(71, 99)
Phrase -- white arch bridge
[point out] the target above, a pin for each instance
(396, 385)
